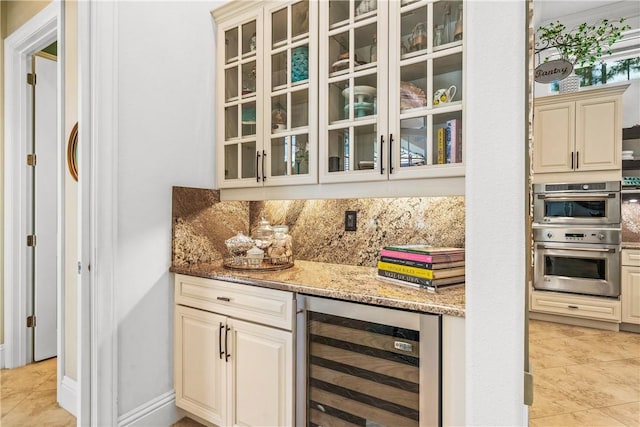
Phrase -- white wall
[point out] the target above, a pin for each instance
(166, 137)
(495, 213)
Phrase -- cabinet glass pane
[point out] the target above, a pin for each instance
(231, 122)
(249, 39)
(338, 12)
(448, 128)
(300, 19)
(279, 70)
(231, 83)
(249, 79)
(338, 150)
(447, 79)
(365, 96)
(231, 161)
(413, 142)
(365, 40)
(447, 21)
(413, 30)
(339, 101)
(365, 147)
(339, 60)
(300, 150)
(300, 64)
(278, 113)
(231, 45)
(249, 119)
(413, 86)
(365, 8)
(299, 108)
(279, 28)
(249, 159)
(279, 156)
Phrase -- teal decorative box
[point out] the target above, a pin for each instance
(299, 64)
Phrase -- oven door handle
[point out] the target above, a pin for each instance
(572, 248)
(587, 196)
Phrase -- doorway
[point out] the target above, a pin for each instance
(22, 345)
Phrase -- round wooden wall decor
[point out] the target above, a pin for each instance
(72, 152)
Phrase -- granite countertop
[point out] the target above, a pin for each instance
(345, 282)
(630, 245)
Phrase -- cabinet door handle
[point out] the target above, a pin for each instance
(572, 153)
(381, 155)
(226, 344)
(226, 299)
(264, 156)
(390, 153)
(573, 306)
(577, 160)
(257, 164)
(220, 339)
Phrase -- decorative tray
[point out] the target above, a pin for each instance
(267, 264)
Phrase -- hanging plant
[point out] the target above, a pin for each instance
(584, 45)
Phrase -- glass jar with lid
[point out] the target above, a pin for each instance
(263, 234)
(281, 249)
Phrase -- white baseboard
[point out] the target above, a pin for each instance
(161, 411)
(1, 356)
(68, 395)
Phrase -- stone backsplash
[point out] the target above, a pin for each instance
(630, 222)
(201, 224)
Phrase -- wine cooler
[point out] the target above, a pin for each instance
(360, 365)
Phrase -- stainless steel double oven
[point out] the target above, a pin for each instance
(576, 233)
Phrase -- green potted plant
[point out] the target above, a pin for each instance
(582, 46)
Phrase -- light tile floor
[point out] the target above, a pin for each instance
(582, 377)
(28, 397)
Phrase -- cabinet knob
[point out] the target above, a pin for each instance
(549, 235)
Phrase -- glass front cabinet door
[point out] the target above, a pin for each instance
(390, 90)
(267, 127)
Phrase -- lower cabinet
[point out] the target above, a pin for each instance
(230, 371)
(630, 286)
(576, 306)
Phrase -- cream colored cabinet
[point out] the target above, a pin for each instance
(266, 78)
(586, 307)
(576, 133)
(234, 352)
(630, 286)
(391, 90)
(200, 371)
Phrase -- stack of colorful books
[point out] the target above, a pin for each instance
(422, 266)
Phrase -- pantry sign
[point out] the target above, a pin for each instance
(548, 72)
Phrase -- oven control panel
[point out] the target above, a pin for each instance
(577, 235)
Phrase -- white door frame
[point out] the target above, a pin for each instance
(34, 35)
(97, 212)
(40, 31)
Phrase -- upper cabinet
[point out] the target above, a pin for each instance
(266, 77)
(578, 136)
(391, 90)
(338, 91)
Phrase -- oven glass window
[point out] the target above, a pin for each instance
(575, 209)
(582, 268)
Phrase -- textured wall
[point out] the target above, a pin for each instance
(202, 223)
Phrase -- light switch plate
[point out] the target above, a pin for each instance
(350, 220)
